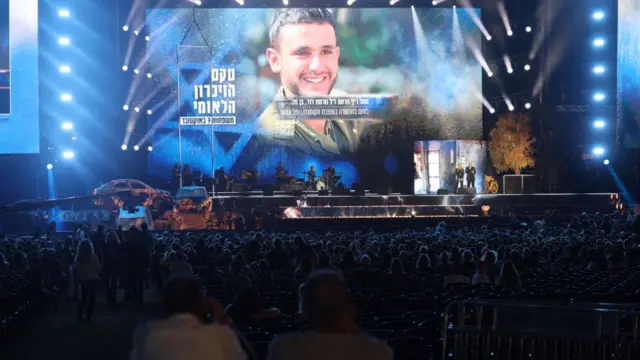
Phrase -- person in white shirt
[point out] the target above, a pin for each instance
(80, 233)
(333, 332)
(87, 271)
(178, 265)
(184, 334)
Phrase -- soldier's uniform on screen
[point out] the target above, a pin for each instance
(339, 137)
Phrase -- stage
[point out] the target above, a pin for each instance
(313, 211)
(310, 205)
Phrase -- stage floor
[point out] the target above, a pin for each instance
(310, 210)
(312, 205)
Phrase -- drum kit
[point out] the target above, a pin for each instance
(326, 181)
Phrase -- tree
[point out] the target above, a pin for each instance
(511, 143)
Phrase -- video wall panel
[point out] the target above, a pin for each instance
(309, 86)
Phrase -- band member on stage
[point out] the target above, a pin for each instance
(221, 179)
(330, 174)
(459, 177)
(331, 171)
(186, 176)
(471, 175)
(281, 174)
(251, 177)
(311, 176)
(175, 177)
(197, 177)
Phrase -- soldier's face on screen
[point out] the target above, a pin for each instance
(306, 58)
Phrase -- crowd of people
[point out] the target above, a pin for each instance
(339, 295)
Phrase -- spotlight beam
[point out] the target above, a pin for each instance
(505, 18)
(507, 63)
(476, 19)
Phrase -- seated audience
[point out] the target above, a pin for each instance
(456, 277)
(195, 328)
(333, 332)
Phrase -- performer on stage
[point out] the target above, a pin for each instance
(280, 170)
(175, 177)
(330, 174)
(311, 176)
(281, 174)
(221, 179)
(471, 175)
(459, 177)
(251, 177)
(186, 176)
(197, 177)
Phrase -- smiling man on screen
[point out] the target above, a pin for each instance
(305, 53)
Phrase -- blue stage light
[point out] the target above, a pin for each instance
(598, 96)
(599, 69)
(606, 161)
(598, 150)
(68, 154)
(67, 126)
(599, 124)
(64, 41)
(64, 13)
(598, 15)
(598, 42)
(49, 166)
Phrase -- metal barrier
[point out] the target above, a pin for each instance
(495, 329)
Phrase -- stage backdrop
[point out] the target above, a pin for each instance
(436, 162)
(629, 72)
(19, 77)
(408, 72)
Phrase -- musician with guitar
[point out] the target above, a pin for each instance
(221, 180)
(250, 175)
(311, 177)
(282, 175)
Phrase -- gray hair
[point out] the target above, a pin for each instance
(288, 16)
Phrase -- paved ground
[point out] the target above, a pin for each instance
(57, 336)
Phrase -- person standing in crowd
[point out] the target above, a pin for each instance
(97, 239)
(87, 272)
(333, 332)
(196, 328)
(111, 266)
(138, 260)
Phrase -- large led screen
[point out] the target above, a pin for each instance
(629, 72)
(19, 77)
(307, 87)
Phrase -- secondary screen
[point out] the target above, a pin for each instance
(19, 77)
(437, 163)
(307, 86)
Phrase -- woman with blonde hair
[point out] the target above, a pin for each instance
(87, 268)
